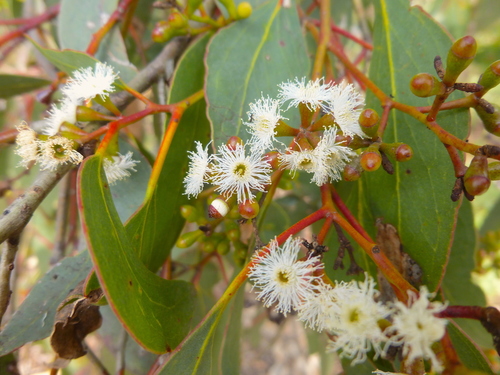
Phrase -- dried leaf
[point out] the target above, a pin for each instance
(77, 316)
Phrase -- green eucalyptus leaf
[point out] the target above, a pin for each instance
(248, 58)
(458, 288)
(155, 311)
(213, 346)
(33, 320)
(467, 351)
(12, 85)
(76, 27)
(416, 199)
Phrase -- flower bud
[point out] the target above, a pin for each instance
(491, 121)
(240, 253)
(371, 159)
(369, 120)
(353, 170)
(233, 234)
(491, 77)
(233, 141)
(424, 85)
(461, 54)
(189, 238)
(163, 32)
(223, 247)
(476, 180)
(399, 151)
(218, 208)
(272, 158)
(71, 131)
(248, 210)
(85, 114)
(208, 245)
(244, 10)
(177, 20)
(190, 213)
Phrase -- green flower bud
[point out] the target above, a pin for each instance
(399, 151)
(491, 77)
(491, 121)
(461, 54)
(424, 85)
(189, 238)
(244, 10)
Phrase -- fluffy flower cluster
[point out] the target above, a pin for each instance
(49, 153)
(51, 150)
(85, 84)
(231, 170)
(350, 312)
(235, 171)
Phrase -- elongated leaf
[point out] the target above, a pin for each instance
(470, 356)
(457, 286)
(12, 85)
(34, 319)
(76, 27)
(416, 199)
(156, 312)
(248, 58)
(153, 230)
(68, 60)
(200, 353)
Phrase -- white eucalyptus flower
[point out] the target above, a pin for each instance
(234, 172)
(27, 146)
(345, 104)
(416, 328)
(264, 116)
(319, 309)
(314, 94)
(119, 167)
(57, 115)
(87, 83)
(198, 172)
(281, 278)
(357, 329)
(56, 151)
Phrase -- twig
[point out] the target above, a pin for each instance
(15, 217)
(6, 266)
(30, 24)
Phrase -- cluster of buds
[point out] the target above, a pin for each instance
(58, 142)
(356, 320)
(477, 178)
(177, 23)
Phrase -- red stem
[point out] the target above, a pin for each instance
(465, 312)
(339, 203)
(113, 19)
(347, 34)
(31, 23)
